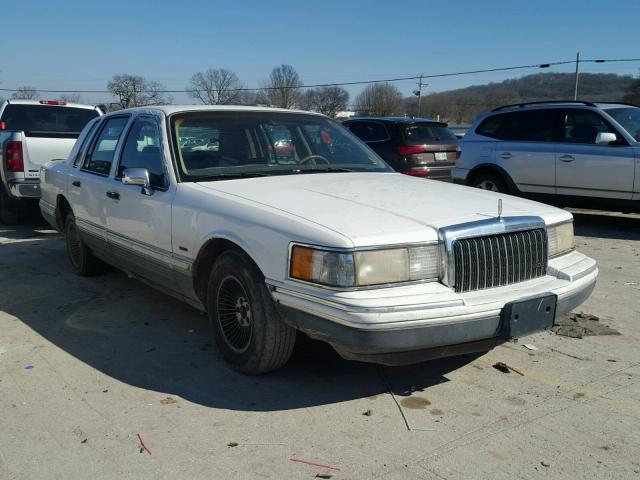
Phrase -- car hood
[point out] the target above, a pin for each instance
(380, 208)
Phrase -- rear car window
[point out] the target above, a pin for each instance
(425, 133)
(47, 120)
(528, 126)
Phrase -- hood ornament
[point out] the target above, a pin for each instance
(499, 207)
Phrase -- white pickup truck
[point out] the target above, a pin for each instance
(32, 132)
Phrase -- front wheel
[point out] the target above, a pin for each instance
(248, 330)
(491, 182)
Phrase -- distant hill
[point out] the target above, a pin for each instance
(462, 105)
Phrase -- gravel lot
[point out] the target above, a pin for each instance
(87, 364)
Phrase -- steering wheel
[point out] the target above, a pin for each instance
(312, 160)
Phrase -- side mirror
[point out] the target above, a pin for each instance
(605, 138)
(137, 176)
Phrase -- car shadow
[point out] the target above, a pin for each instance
(607, 225)
(136, 335)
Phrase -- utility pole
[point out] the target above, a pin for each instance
(575, 90)
(418, 93)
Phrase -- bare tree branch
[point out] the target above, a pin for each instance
(379, 99)
(283, 88)
(137, 91)
(216, 87)
(25, 93)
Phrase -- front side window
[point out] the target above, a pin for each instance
(85, 141)
(583, 126)
(629, 118)
(142, 149)
(213, 145)
(100, 157)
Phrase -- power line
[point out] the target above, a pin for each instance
(363, 82)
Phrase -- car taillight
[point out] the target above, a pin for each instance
(13, 157)
(404, 150)
(419, 173)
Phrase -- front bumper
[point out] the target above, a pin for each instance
(409, 324)
(24, 189)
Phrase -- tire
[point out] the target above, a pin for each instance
(9, 208)
(490, 181)
(83, 262)
(248, 330)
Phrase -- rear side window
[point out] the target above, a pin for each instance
(369, 131)
(425, 133)
(47, 120)
(142, 149)
(100, 157)
(526, 126)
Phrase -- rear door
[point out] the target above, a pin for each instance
(527, 151)
(50, 131)
(585, 168)
(89, 187)
(139, 225)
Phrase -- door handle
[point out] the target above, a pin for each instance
(567, 158)
(76, 183)
(114, 195)
(505, 155)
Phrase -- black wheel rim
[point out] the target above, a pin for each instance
(235, 316)
(74, 247)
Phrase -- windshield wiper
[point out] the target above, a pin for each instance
(323, 170)
(230, 176)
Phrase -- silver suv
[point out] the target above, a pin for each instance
(564, 152)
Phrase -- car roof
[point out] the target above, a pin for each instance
(392, 119)
(37, 102)
(171, 109)
(560, 103)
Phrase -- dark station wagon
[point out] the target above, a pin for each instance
(415, 146)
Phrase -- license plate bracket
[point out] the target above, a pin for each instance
(528, 316)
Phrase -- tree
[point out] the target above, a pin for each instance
(634, 93)
(70, 98)
(379, 99)
(137, 91)
(283, 87)
(331, 100)
(216, 87)
(25, 93)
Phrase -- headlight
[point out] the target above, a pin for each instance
(560, 238)
(365, 268)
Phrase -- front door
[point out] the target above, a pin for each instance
(139, 224)
(586, 168)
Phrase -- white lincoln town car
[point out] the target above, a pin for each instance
(274, 221)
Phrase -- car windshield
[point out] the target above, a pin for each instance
(46, 119)
(424, 133)
(629, 118)
(217, 145)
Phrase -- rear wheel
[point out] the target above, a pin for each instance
(83, 262)
(9, 208)
(248, 330)
(490, 181)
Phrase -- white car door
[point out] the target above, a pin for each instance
(89, 184)
(139, 222)
(587, 164)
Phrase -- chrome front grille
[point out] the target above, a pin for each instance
(497, 260)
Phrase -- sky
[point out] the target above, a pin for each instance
(80, 44)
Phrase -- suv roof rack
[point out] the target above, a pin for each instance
(542, 102)
(629, 104)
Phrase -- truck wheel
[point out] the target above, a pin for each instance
(83, 262)
(251, 335)
(490, 181)
(9, 209)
